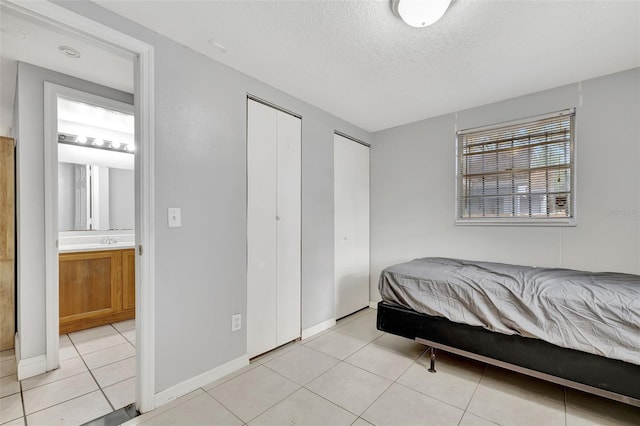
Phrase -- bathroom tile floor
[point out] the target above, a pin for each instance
(354, 374)
(96, 376)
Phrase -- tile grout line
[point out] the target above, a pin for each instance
(120, 333)
(302, 386)
(109, 363)
(267, 409)
(59, 403)
(367, 371)
(415, 362)
(340, 361)
(484, 371)
(326, 354)
(53, 381)
(347, 410)
(45, 384)
(24, 411)
(99, 337)
(81, 356)
(255, 417)
(92, 376)
(343, 361)
(158, 411)
(224, 406)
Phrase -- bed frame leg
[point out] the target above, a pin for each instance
(432, 364)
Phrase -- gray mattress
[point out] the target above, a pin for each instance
(597, 313)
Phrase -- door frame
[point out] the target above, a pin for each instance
(143, 53)
(52, 92)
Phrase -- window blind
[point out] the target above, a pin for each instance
(518, 171)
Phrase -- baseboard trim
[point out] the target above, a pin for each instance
(373, 305)
(318, 328)
(32, 366)
(29, 367)
(200, 380)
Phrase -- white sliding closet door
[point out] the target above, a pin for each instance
(273, 227)
(288, 228)
(351, 225)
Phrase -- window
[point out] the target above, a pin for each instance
(518, 172)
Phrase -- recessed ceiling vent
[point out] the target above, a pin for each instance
(69, 51)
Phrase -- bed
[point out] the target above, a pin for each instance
(575, 328)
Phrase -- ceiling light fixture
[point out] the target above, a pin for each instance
(69, 51)
(95, 143)
(419, 13)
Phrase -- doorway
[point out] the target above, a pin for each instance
(95, 206)
(95, 216)
(49, 14)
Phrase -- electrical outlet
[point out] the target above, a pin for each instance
(236, 322)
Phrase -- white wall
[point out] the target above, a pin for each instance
(200, 160)
(66, 196)
(413, 186)
(121, 199)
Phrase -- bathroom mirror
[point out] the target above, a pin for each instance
(95, 197)
(95, 166)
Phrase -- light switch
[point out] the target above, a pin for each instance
(175, 221)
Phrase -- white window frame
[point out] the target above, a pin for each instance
(511, 221)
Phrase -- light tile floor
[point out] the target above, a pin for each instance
(354, 374)
(96, 376)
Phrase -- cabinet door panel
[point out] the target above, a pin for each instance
(89, 284)
(91, 288)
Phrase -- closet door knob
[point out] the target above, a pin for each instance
(277, 217)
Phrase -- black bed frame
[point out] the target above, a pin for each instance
(595, 374)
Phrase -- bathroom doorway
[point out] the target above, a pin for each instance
(96, 239)
(96, 209)
(79, 28)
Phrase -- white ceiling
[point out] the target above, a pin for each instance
(355, 59)
(25, 38)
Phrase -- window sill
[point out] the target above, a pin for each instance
(516, 222)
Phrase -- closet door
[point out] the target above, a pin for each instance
(351, 225)
(288, 220)
(261, 228)
(273, 228)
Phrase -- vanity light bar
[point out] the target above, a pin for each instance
(97, 143)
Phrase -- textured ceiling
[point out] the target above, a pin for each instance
(355, 59)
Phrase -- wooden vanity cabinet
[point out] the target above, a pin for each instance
(128, 279)
(96, 288)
